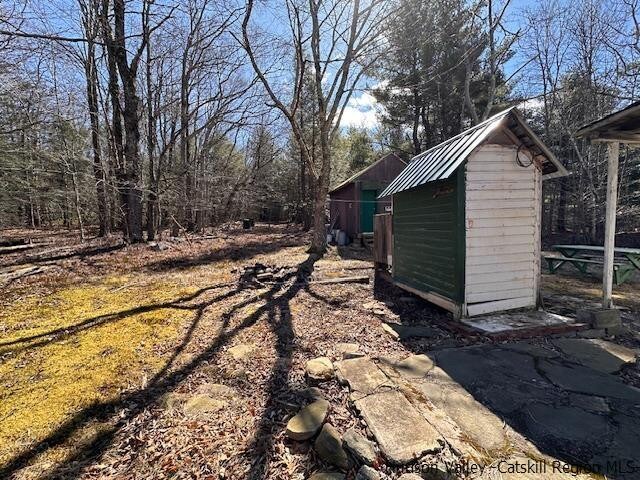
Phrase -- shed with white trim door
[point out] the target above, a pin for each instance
(467, 215)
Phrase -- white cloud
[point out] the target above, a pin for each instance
(352, 117)
(365, 100)
(532, 104)
(361, 112)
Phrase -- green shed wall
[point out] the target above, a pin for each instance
(428, 237)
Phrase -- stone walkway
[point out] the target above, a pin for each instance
(505, 405)
(402, 433)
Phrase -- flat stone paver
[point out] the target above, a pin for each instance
(414, 366)
(360, 447)
(217, 390)
(623, 446)
(565, 410)
(390, 331)
(319, 369)
(328, 446)
(532, 349)
(363, 376)
(202, 405)
(414, 331)
(488, 371)
(241, 351)
(590, 403)
(566, 423)
(601, 355)
(628, 355)
(327, 476)
(401, 432)
(576, 378)
(308, 421)
(482, 427)
(347, 350)
(498, 323)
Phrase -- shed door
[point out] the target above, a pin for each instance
(502, 231)
(367, 209)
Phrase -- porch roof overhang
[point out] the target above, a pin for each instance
(622, 126)
(619, 127)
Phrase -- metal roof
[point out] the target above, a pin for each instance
(439, 162)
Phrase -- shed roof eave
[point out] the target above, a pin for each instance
(355, 176)
(556, 174)
(620, 137)
(561, 171)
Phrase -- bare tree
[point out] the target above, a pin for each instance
(341, 39)
(91, 27)
(496, 41)
(576, 72)
(130, 170)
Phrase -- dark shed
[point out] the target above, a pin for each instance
(354, 202)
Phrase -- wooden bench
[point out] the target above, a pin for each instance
(621, 271)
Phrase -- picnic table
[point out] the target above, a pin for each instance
(582, 256)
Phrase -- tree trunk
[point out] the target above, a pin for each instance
(98, 170)
(186, 214)
(152, 199)
(117, 160)
(76, 198)
(416, 122)
(32, 216)
(319, 235)
(561, 219)
(132, 176)
(467, 92)
(66, 216)
(133, 181)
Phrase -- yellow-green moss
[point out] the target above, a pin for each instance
(46, 380)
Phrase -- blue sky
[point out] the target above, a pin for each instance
(362, 109)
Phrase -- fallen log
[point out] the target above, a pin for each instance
(356, 279)
(17, 248)
(10, 275)
(14, 242)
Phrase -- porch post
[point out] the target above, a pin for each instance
(610, 223)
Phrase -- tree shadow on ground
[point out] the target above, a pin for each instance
(62, 333)
(230, 252)
(414, 310)
(354, 252)
(123, 409)
(84, 253)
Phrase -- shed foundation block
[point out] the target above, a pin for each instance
(608, 318)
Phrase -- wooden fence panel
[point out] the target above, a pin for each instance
(382, 239)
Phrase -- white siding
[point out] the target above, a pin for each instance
(502, 231)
